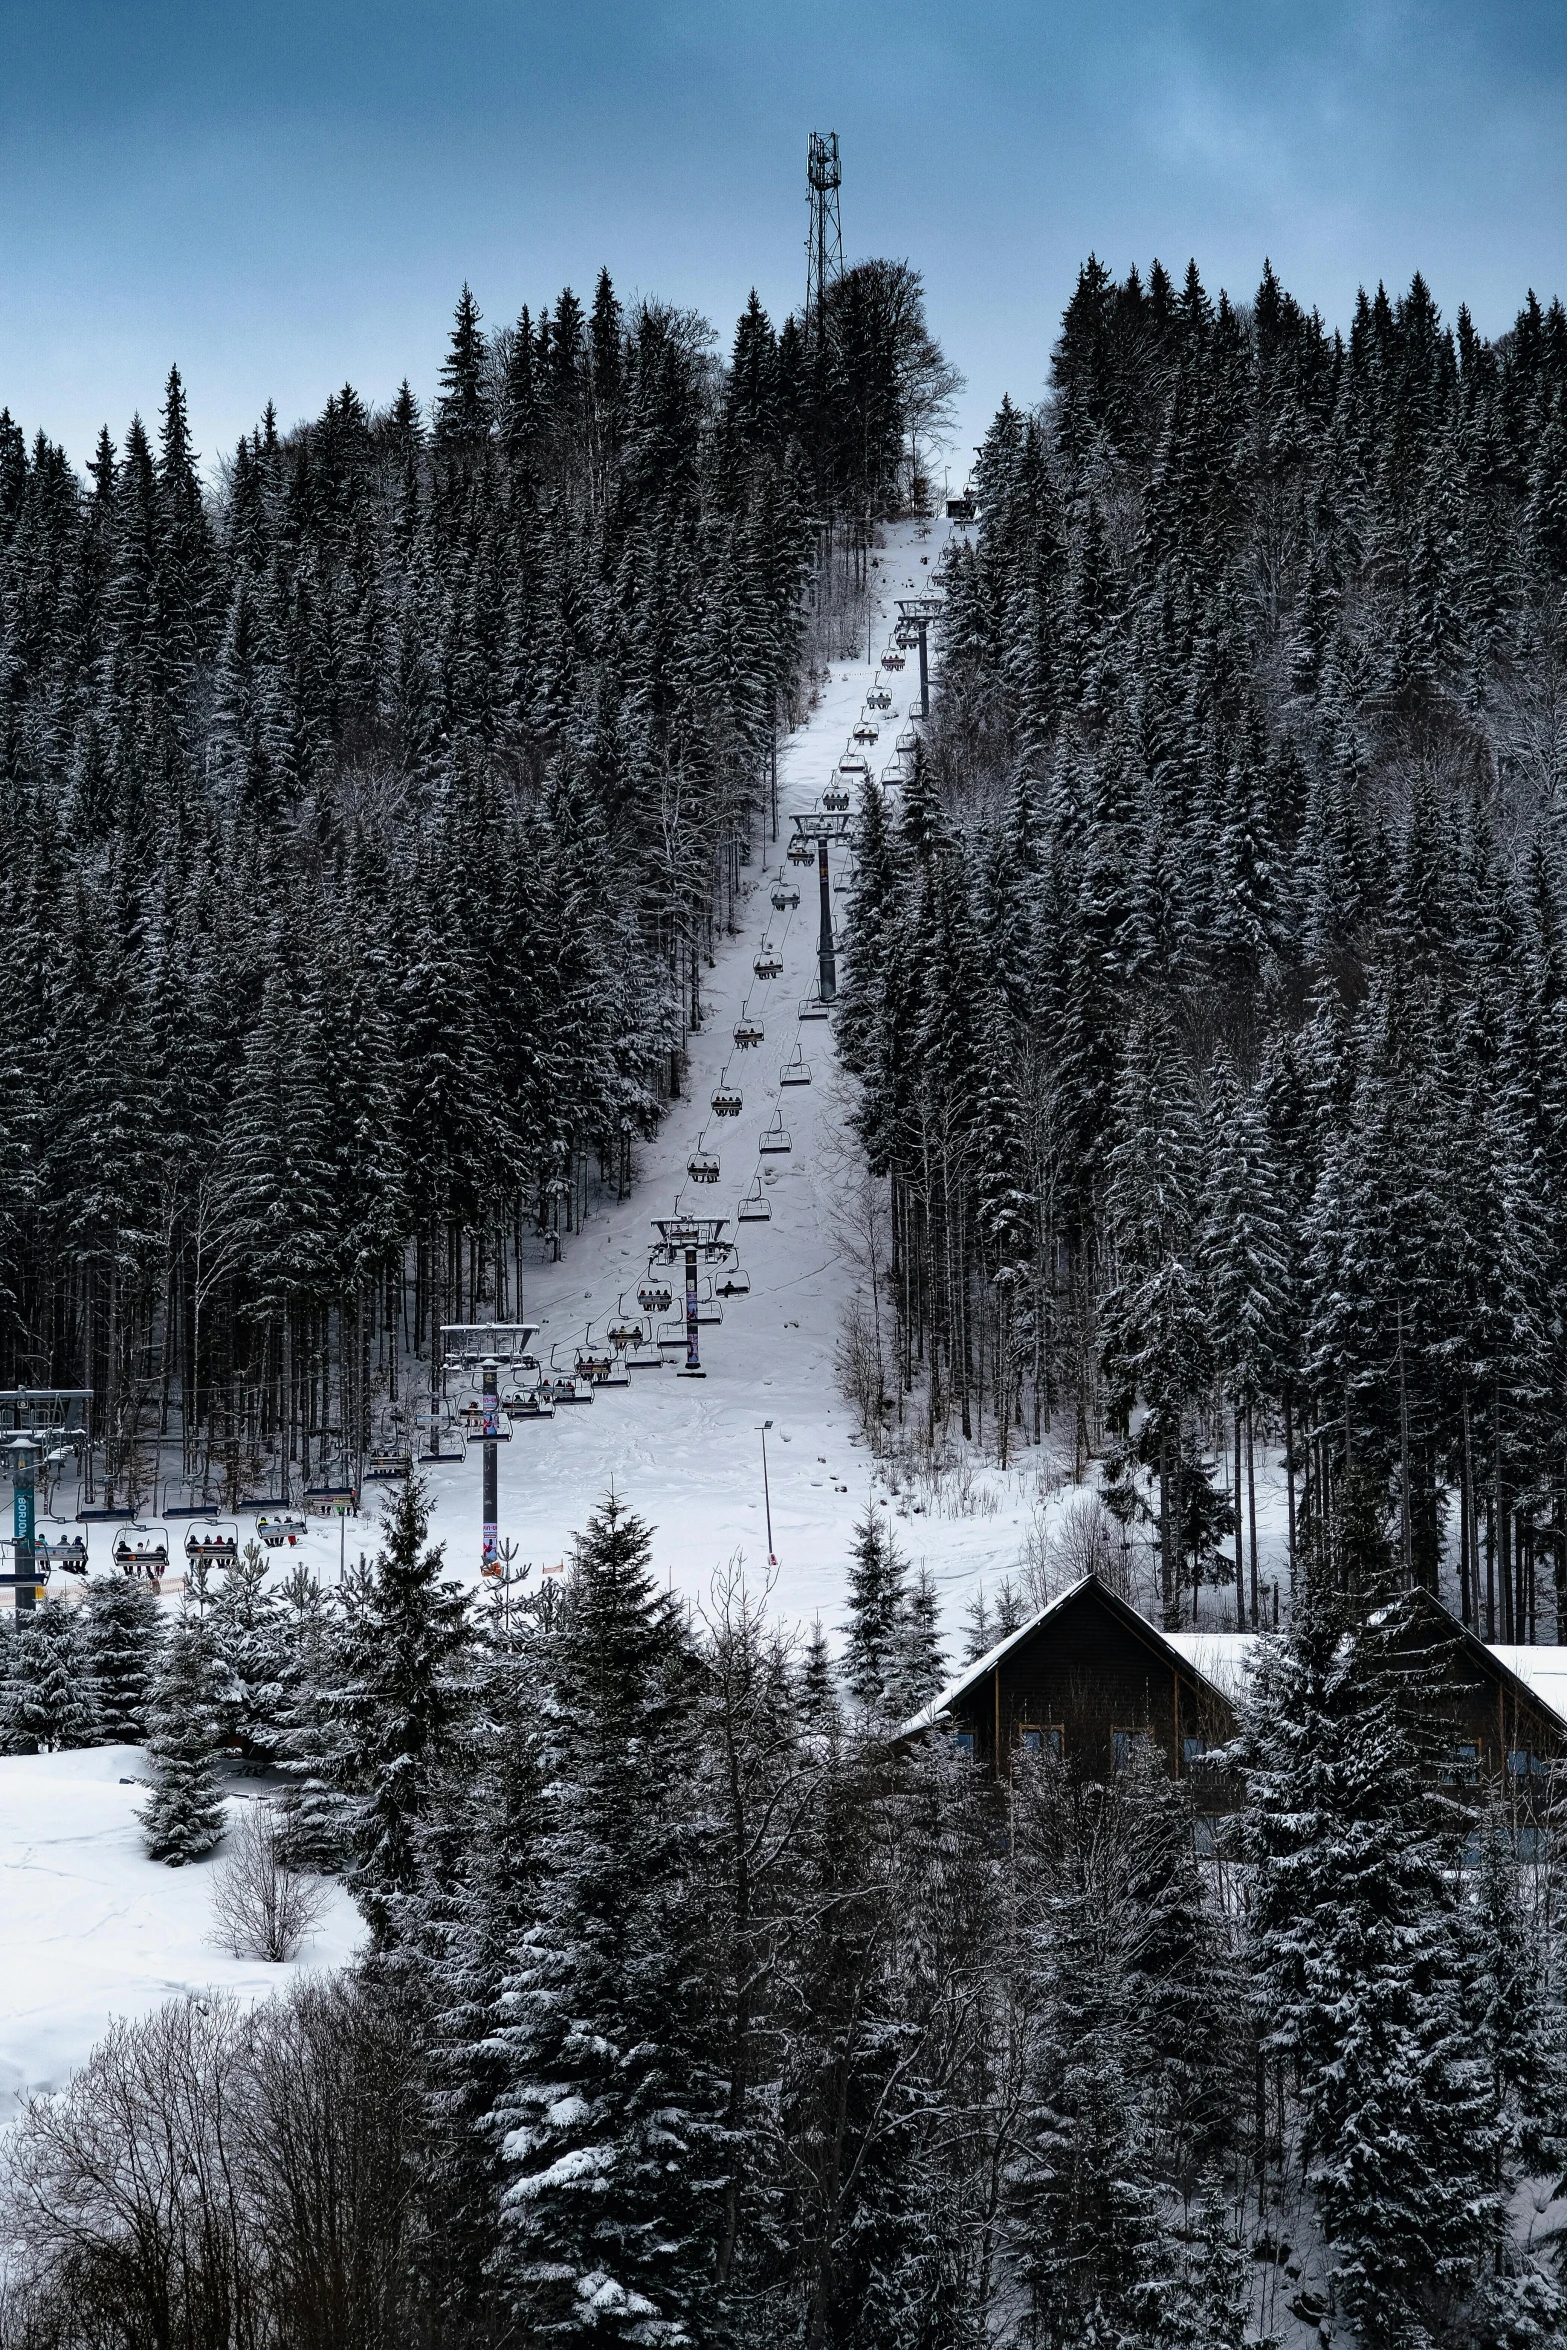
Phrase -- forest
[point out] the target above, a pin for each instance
(700, 2007)
(370, 816)
(1208, 976)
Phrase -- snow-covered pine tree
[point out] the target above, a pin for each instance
(182, 1818)
(50, 1698)
(877, 1609)
(406, 1690)
(610, 2106)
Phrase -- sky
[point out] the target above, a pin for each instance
(287, 196)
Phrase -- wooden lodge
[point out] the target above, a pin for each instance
(1082, 1681)
(1088, 1676)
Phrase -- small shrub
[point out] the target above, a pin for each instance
(261, 1908)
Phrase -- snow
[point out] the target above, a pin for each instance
(91, 1929)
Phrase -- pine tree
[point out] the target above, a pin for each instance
(122, 1637)
(183, 1817)
(50, 1699)
(874, 1634)
(608, 2110)
(405, 1694)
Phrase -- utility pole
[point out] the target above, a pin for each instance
(824, 829)
(682, 1240)
(919, 612)
(497, 1338)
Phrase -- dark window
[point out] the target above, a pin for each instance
(963, 1742)
(1521, 1764)
(1461, 1765)
(1121, 1744)
(1193, 1750)
(1042, 1738)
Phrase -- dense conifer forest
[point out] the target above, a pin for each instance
(368, 820)
(1209, 983)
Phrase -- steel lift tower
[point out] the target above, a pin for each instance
(824, 245)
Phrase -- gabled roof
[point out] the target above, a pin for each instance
(1129, 1619)
(1533, 1676)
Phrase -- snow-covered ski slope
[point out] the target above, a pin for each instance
(687, 1453)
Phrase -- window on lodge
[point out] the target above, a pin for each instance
(963, 1744)
(1521, 1764)
(1461, 1765)
(1040, 1738)
(1193, 1750)
(1123, 1743)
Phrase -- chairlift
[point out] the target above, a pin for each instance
(623, 1336)
(387, 1468)
(812, 1008)
(703, 1167)
(142, 1550)
(835, 800)
(878, 698)
(852, 764)
(213, 1546)
(748, 1033)
(645, 1357)
(802, 850)
(797, 1071)
(530, 1404)
(672, 1339)
(735, 1283)
(767, 964)
(592, 1365)
(66, 1551)
(276, 1527)
(867, 731)
(483, 1427)
(785, 898)
(756, 1207)
(893, 661)
(653, 1298)
(727, 1102)
(563, 1390)
(776, 1139)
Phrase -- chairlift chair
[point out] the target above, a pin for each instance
(142, 1550)
(802, 851)
(767, 964)
(387, 1468)
(776, 1138)
(867, 732)
(835, 800)
(893, 661)
(853, 764)
(812, 1008)
(672, 1339)
(878, 698)
(623, 1336)
(653, 1297)
(783, 898)
(563, 1390)
(748, 1033)
(213, 1546)
(530, 1405)
(66, 1551)
(727, 1102)
(797, 1071)
(735, 1283)
(756, 1207)
(276, 1527)
(703, 1167)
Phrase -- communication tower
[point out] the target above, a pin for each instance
(824, 245)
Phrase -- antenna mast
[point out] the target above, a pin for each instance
(824, 245)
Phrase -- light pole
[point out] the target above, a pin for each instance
(767, 1499)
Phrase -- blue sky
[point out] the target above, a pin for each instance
(287, 196)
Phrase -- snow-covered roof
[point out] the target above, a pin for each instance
(1543, 1672)
(947, 1698)
(1227, 1659)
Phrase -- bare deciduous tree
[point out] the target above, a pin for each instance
(261, 1908)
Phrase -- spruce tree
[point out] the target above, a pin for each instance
(608, 2111)
(123, 1636)
(183, 1817)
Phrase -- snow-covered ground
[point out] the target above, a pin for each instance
(90, 1928)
